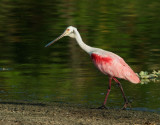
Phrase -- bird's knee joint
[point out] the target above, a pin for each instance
(109, 90)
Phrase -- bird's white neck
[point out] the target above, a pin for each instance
(84, 46)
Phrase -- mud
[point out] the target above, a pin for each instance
(24, 113)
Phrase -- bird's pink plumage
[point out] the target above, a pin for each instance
(114, 66)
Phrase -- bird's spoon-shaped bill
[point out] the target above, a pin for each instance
(56, 39)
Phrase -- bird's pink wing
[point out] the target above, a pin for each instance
(113, 65)
(128, 73)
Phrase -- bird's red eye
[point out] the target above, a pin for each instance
(68, 29)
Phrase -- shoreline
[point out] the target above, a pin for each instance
(64, 114)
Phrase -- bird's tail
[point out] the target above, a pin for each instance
(133, 78)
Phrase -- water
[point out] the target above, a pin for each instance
(63, 72)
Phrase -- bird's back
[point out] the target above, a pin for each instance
(113, 65)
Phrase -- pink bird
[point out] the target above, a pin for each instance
(107, 62)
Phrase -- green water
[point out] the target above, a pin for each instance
(63, 72)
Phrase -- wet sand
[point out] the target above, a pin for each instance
(23, 113)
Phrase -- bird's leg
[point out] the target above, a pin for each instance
(109, 89)
(125, 99)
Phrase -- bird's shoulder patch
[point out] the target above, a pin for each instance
(100, 58)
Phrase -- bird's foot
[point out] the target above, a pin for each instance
(126, 105)
(102, 107)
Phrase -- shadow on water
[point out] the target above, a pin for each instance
(24, 103)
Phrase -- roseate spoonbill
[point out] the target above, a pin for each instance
(107, 62)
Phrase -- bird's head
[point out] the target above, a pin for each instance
(68, 32)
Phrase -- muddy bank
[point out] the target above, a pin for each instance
(23, 113)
